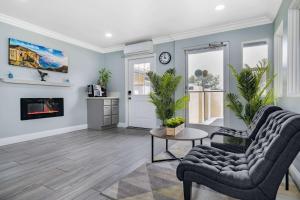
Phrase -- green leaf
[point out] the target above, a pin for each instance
(235, 105)
(104, 76)
(174, 122)
(254, 93)
(162, 95)
(233, 71)
(182, 102)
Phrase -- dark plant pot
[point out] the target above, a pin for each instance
(232, 140)
(104, 94)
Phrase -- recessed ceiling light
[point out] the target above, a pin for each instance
(220, 7)
(108, 35)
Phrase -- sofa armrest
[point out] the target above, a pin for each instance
(224, 131)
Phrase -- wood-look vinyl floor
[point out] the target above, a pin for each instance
(75, 165)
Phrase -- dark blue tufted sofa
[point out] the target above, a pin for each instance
(248, 135)
(253, 175)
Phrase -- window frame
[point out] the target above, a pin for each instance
(267, 41)
(278, 68)
(293, 66)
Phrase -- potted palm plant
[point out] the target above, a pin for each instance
(162, 96)
(253, 92)
(104, 77)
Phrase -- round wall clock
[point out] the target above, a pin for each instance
(164, 58)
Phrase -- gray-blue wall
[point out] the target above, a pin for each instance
(83, 68)
(290, 103)
(115, 61)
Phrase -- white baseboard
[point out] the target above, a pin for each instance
(122, 125)
(32, 136)
(295, 175)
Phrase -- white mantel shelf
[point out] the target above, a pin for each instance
(32, 82)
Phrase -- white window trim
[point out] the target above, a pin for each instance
(293, 69)
(278, 61)
(226, 73)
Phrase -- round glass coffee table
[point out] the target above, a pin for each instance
(187, 134)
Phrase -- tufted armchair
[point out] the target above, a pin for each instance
(253, 175)
(248, 135)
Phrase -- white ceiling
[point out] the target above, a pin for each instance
(132, 20)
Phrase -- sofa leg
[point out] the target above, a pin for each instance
(287, 180)
(187, 189)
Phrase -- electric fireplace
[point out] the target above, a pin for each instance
(35, 108)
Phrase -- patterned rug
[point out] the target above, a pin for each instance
(159, 182)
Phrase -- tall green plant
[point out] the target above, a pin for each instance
(104, 76)
(253, 91)
(162, 96)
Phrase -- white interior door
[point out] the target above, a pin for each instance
(141, 113)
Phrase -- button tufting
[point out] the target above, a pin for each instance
(239, 169)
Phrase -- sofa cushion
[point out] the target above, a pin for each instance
(234, 148)
(258, 172)
(232, 132)
(270, 142)
(225, 167)
(259, 119)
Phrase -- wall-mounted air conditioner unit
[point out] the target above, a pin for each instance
(139, 48)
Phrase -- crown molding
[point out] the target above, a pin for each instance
(213, 29)
(46, 32)
(163, 39)
(202, 32)
(157, 40)
(113, 49)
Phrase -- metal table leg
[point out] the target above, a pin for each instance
(167, 145)
(173, 157)
(287, 180)
(152, 148)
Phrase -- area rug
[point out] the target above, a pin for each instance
(159, 182)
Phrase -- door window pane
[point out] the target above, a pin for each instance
(141, 83)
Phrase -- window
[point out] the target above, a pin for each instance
(293, 68)
(278, 61)
(205, 72)
(141, 84)
(253, 52)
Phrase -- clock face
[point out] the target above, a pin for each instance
(164, 57)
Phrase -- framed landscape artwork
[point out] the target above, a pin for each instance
(25, 54)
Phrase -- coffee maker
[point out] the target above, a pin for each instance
(96, 91)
